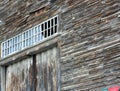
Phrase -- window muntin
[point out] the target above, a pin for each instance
(30, 37)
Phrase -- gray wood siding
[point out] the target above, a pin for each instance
(90, 47)
(89, 44)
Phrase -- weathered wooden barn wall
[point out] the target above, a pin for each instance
(90, 37)
(90, 48)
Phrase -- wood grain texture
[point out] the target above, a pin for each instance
(89, 44)
(47, 70)
(90, 47)
(19, 76)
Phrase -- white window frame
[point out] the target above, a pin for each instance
(30, 37)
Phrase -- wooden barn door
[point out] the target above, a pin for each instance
(39, 72)
(48, 70)
(18, 76)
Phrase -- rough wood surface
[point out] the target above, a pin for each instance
(90, 37)
(90, 45)
(36, 73)
(19, 76)
(47, 62)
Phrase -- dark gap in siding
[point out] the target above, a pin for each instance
(52, 1)
(37, 11)
(34, 73)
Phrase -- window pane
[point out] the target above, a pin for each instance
(49, 32)
(10, 42)
(52, 22)
(3, 53)
(15, 47)
(39, 29)
(42, 35)
(36, 32)
(30, 33)
(33, 35)
(33, 31)
(48, 24)
(18, 39)
(45, 25)
(14, 44)
(24, 36)
(42, 27)
(5, 45)
(10, 49)
(27, 35)
(55, 20)
(7, 51)
(52, 31)
(55, 29)
(26, 42)
(15, 40)
(30, 41)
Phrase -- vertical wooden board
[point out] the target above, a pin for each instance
(47, 70)
(39, 73)
(44, 59)
(18, 76)
(43, 66)
(55, 70)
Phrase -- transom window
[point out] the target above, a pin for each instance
(30, 37)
